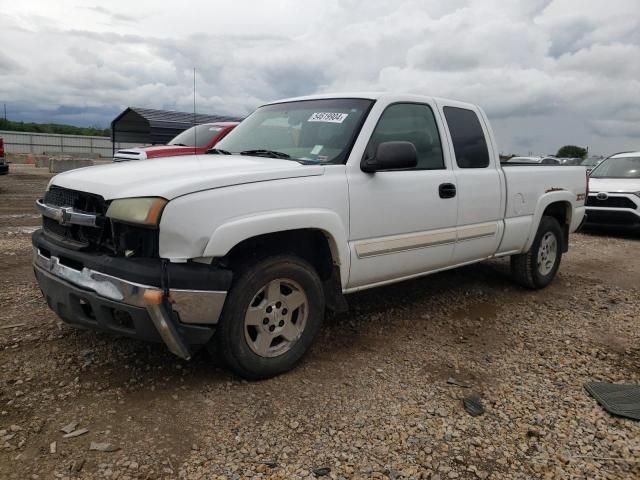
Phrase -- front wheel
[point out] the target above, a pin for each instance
(537, 268)
(271, 316)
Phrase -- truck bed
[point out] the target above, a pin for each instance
(527, 183)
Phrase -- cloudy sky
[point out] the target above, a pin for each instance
(548, 72)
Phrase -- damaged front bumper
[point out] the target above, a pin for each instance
(147, 299)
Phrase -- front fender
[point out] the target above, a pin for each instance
(560, 196)
(236, 230)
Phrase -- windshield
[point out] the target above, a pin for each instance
(318, 131)
(621, 167)
(198, 136)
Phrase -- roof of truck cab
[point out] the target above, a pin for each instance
(372, 96)
(626, 154)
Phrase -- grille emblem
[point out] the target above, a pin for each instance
(602, 196)
(63, 215)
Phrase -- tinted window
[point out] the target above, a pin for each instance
(468, 139)
(410, 123)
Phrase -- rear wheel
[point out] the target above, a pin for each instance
(538, 267)
(271, 316)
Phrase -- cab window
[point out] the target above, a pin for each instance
(413, 123)
(467, 136)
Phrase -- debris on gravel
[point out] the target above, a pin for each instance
(70, 427)
(473, 405)
(103, 447)
(459, 383)
(76, 433)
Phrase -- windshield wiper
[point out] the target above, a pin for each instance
(218, 151)
(265, 153)
(179, 145)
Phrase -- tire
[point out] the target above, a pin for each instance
(271, 316)
(537, 268)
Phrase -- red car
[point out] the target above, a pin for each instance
(4, 167)
(193, 141)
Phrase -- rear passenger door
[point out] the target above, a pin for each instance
(479, 184)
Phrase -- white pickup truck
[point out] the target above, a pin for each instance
(307, 200)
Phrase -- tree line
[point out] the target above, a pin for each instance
(53, 128)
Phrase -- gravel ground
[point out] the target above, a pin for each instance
(374, 399)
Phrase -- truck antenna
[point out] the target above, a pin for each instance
(195, 132)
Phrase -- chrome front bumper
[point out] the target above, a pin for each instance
(196, 307)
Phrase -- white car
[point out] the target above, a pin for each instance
(307, 200)
(614, 191)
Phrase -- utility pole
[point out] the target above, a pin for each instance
(5, 111)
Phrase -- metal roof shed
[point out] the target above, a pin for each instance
(151, 126)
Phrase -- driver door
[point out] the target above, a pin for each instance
(403, 222)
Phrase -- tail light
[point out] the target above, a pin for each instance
(586, 174)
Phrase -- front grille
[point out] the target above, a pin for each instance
(610, 202)
(76, 236)
(85, 202)
(112, 238)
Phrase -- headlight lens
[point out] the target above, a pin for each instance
(141, 211)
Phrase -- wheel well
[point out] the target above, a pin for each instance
(561, 211)
(309, 244)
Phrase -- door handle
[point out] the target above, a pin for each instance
(447, 190)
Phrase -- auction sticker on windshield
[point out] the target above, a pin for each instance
(331, 117)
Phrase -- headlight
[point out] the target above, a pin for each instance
(141, 211)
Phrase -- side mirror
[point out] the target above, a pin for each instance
(391, 156)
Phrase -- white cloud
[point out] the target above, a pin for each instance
(548, 72)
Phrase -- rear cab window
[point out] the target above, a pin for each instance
(467, 136)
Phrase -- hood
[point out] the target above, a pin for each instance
(172, 177)
(628, 185)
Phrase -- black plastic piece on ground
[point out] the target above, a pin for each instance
(473, 405)
(618, 399)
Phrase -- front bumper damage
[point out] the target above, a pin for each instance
(177, 304)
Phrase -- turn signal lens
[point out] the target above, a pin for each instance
(153, 297)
